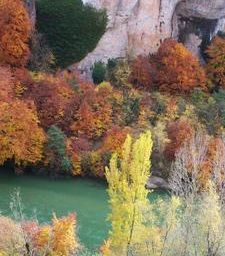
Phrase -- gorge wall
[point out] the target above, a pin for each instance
(139, 26)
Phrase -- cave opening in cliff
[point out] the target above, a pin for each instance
(202, 29)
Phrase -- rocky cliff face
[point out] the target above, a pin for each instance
(139, 26)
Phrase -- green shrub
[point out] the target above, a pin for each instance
(71, 29)
(99, 72)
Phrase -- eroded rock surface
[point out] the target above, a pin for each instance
(139, 26)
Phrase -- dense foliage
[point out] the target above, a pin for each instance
(15, 31)
(71, 29)
(62, 124)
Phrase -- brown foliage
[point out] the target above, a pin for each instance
(6, 84)
(55, 100)
(142, 72)
(15, 28)
(94, 115)
(178, 133)
(178, 71)
(216, 63)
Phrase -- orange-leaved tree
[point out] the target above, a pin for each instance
(178, 133)
(178, 70)
(21, 138)
(57, 239)
(142, 73)
(54, 99)
(15, 29)
(216, 61)
(94, 116)
(6, 84)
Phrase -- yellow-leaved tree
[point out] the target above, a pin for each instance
(127, 178)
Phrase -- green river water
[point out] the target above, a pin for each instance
(42, 196)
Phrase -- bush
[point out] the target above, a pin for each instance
(71, 29)
(99, 72)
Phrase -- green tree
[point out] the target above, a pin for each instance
(56, 150)
(128, 196)
(72, 30)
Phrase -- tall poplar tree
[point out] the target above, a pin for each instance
(127, 178)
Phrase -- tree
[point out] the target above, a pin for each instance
(114, 139)
(178, 132)
(94, 115)
(142, 73)
(15, 29)
(216, 61)
(21, 138)
(199, 161)
(56, 150)
(54, 98)
(178, 71)
(71, 28)
(64, 241)
(128, 195)
(6, 84)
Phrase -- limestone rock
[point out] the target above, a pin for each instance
(157, 183)
(139, 26)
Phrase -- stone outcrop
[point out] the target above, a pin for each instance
(32, 11)
(139, 26)
(155, 182)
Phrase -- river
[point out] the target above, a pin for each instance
(42, 196)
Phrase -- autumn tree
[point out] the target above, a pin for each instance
(178, 71)
(6, 84)
(59, 238)
(128, 195)
(142, 73)
(178, 132)
(76, 149)
(54, 99)
(114, 139)
(216, 61)
(21, 138)
(94, 115)
(15, 29)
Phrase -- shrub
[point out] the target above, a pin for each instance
(71, 29)
(12, 240)
(99, 72)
